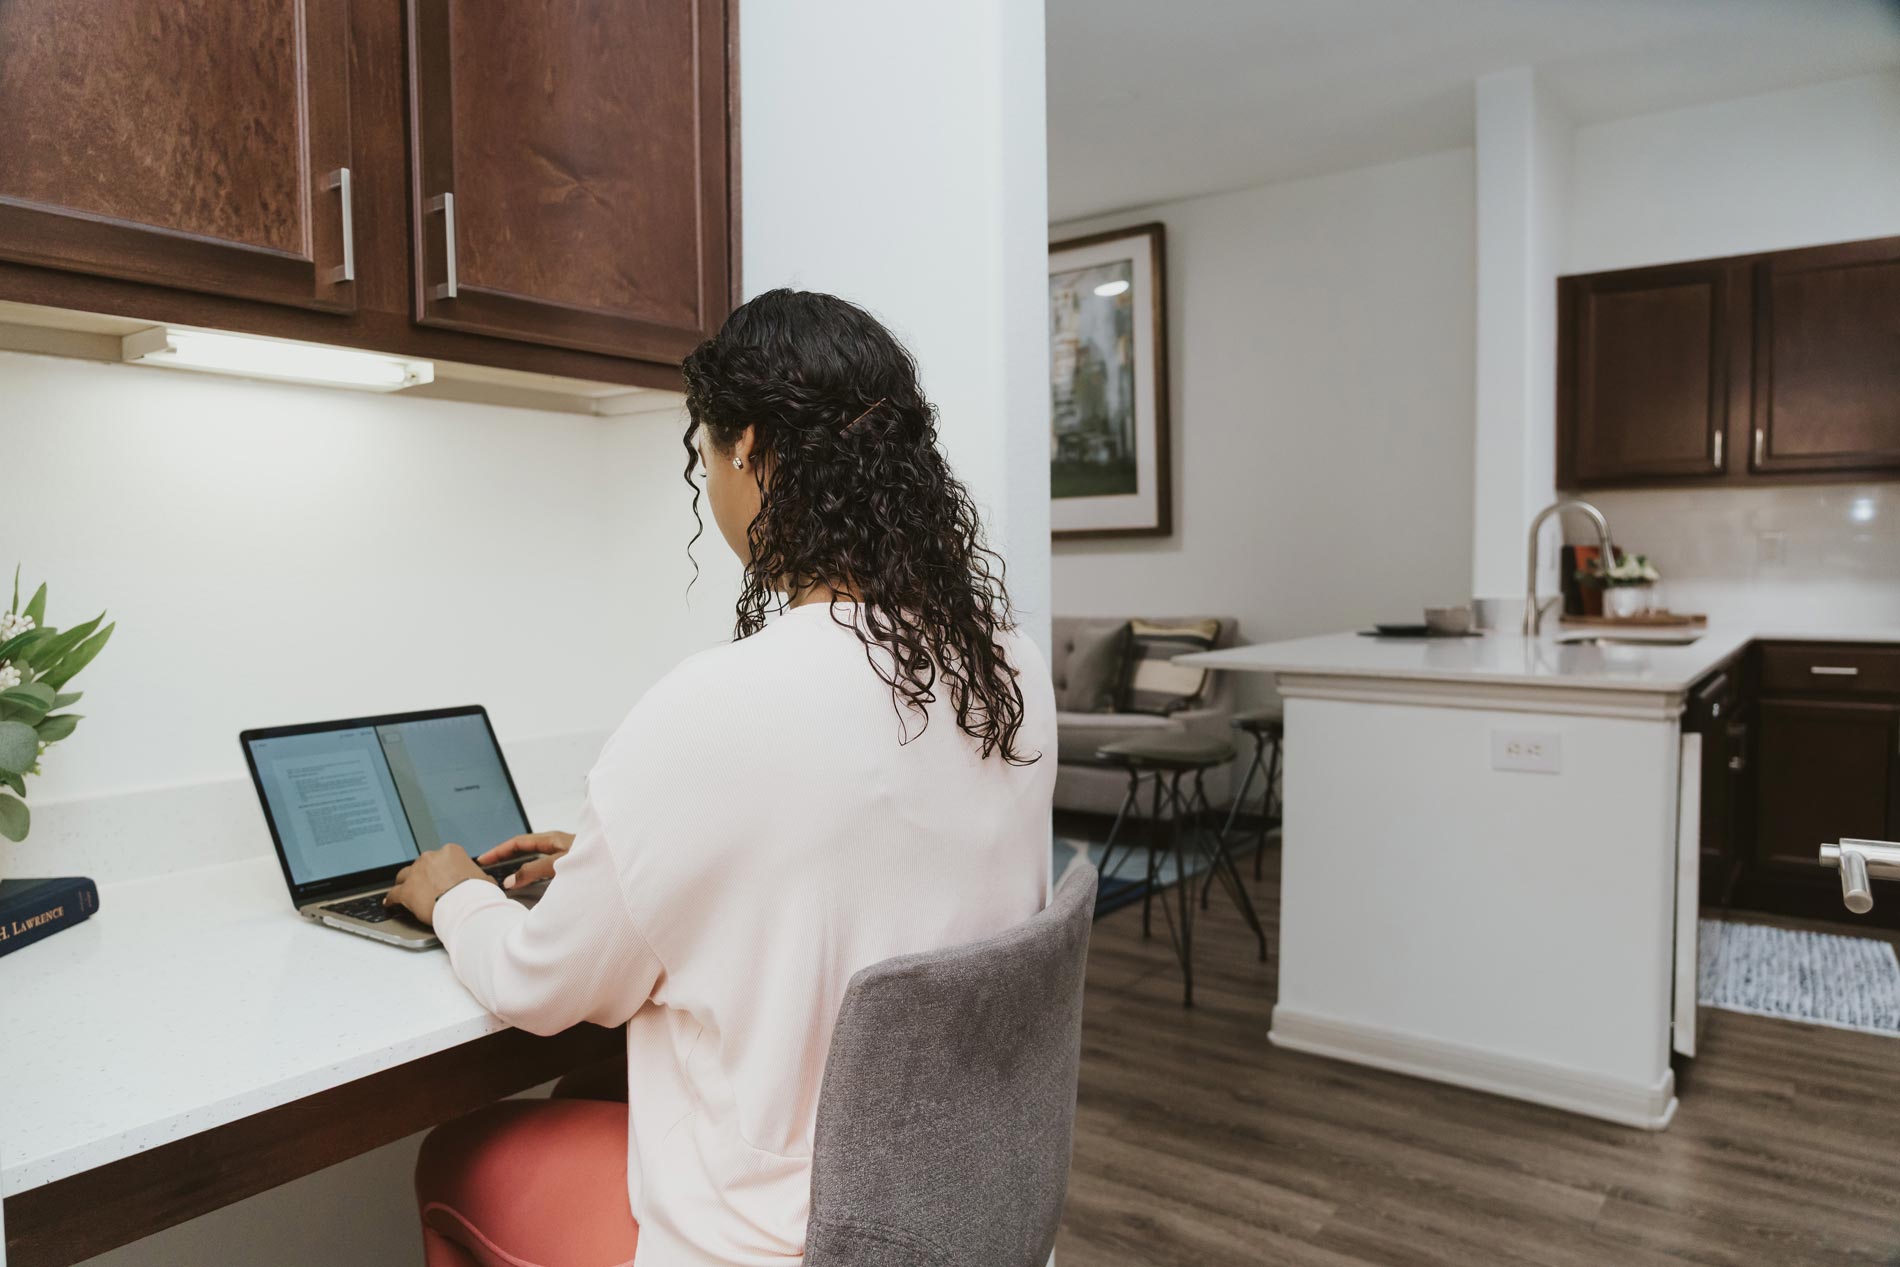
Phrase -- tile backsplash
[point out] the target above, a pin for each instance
(1796, 557)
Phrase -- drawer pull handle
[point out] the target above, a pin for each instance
(1718, 450)
(1834, 670)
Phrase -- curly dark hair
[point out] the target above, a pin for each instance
(855, 494)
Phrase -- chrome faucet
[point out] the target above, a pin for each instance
(1532, 617)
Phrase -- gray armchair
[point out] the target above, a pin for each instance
(1086, 784)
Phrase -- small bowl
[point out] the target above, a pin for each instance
(1448, 620)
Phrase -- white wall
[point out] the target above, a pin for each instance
(1321, 361)
(1523, 174)
(276, 554)
(1784, 169)
(900, 163)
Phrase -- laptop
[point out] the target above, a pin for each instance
(350, 803)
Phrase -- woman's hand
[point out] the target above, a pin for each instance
(420, 883)
(549, 844)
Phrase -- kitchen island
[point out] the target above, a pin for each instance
(1489, 860)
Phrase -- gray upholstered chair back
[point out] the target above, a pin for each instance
(1220, 692)
(948, 1106)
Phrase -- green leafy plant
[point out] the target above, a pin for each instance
(1629, 569)
(36, 663)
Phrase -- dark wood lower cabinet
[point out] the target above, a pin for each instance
(1825, 764)
(1718, 712)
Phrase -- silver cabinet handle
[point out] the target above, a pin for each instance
(1718, 450)
(445, 203)
(1833, 670)
(1858, 860)
(1855, 894)
(339, 180)
(1761, 447)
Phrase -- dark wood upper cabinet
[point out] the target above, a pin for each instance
(547, 187)
(1762, 368)
(1649, 360)
(199, 146)
(569, 171)
(1827, 359)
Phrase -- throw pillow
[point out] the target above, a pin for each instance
(1097, 653)
(1154, 683)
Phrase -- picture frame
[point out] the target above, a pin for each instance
(1108, 398)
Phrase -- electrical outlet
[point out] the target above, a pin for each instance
(1532, 751)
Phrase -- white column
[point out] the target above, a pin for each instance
(1523, 186)
(895, 155)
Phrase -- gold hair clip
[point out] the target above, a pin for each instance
(861, 417)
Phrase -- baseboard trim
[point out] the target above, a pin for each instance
(1649, 1108)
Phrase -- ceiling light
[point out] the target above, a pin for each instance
(274, 359)
(1862, 510)
(1108, 290)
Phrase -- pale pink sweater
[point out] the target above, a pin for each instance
(754, 833)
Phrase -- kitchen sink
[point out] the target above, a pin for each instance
(1628, 640)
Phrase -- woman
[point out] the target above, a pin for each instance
(860, 777)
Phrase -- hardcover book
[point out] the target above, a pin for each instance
(32, 909)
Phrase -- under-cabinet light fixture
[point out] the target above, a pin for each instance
(276, 359)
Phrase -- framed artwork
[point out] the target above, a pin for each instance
(1108, 386)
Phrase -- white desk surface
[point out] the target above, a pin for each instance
(1514, 660)
(193, 999)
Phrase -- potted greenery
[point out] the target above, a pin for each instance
(1629, 586)
(36, 663)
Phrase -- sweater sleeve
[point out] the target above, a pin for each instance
(576, 956)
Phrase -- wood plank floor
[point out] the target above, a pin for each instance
(1199, 1143)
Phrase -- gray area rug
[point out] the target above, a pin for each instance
(1819, 978)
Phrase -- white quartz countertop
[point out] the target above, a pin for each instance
(193, 999)
(1553, 660)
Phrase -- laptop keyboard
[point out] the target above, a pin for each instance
(370, 910)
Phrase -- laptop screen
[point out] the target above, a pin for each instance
(372, 795)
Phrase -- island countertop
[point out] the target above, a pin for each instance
(1554, 660)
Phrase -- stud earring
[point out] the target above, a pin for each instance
(738, 464)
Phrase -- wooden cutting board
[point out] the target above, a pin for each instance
(1648, 620)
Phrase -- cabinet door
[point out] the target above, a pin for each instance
(570, 171)
(201, 146)
(1827, 360)
(1824, 770)
(1644, 374)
